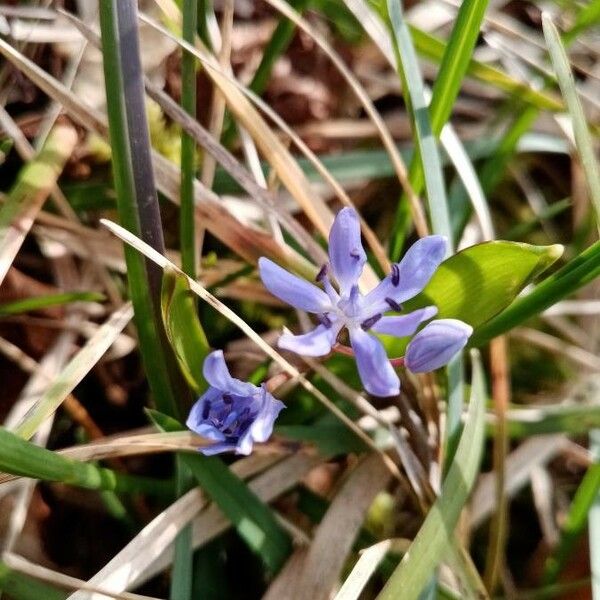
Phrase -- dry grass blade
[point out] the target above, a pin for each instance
(271, 147)
(248, 242)
(231, 164)
(56, 90)
(368, 233)
(135, 564)
(365, 567)
(34, 184)
(153, 443)
(22, 565)
(361, 94)
(337, 531)
(535, 452)
(198, 289)
(130, 562)
(75, 371)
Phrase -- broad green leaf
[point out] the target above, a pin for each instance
(20, 457)
(254, 520)
(183, 327)
(478, 282)
(435, 536)
(39, 302)
(575, 274)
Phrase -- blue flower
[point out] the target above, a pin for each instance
(232, 413)
(346, 307)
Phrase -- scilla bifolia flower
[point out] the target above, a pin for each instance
(346, 307)
(232, 413)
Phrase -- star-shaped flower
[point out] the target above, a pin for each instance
(232, 413)
(346, 307)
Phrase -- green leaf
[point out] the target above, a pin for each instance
(583, 139)
(19, 457)
(254, 520)
(331, 439)
(585, 498)
(23, 587)
(137, 202)
(435, 536)
(426, 144)
(41, 302)
(433, 48)
(453, 66)
(575, 274)
(183, 327)
(478, 282)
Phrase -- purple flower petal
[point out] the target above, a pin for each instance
(410, 275)
(436, 344)
(317, 342)
(404, 325)
(216, 373)
(219, 448)
(291, 289)
(346, 253)
(375, 370)
(262, 428)
(195, 418)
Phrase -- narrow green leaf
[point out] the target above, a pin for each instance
(478, 282)
(435, 536)
(144, 278)
(254, 520)
(433, 48)
(23, 587)
(574, 275)
(19, 457)
(453, 66)
(583, 502)
(426, 144)
(40, 302)
(583, 139)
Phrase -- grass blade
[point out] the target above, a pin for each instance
(75, 371)
(583, 139)
(426, 145)
(41, 302)
(453, 66)
(20, 457)
(187, 229)
(35, 182)
(254, 520)
(134, 182)
(435, 536)
(22, 587)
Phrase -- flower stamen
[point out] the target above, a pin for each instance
(395, 275)
(393, 304)
(368, 323)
